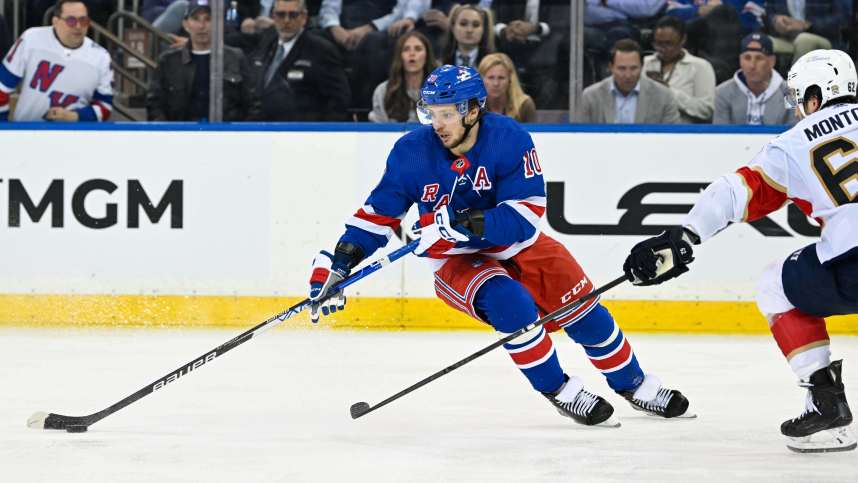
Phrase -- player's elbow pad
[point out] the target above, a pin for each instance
(721, 203)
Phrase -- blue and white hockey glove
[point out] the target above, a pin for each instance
(438, 234)
(327, 272)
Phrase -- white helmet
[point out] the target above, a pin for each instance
(831, 70)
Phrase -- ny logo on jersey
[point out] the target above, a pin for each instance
(45, 75)
(60, 99)
(481, 180)
(430, 192)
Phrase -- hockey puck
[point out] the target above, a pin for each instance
(76, 428)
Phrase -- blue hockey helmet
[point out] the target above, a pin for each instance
(450, 84)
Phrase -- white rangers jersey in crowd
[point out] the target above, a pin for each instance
(814, 164)
(56, 76)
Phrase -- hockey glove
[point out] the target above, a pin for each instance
(661, 258)
(328, 271)
(438, 234)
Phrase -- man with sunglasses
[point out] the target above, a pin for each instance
(66, 76)
(476, 179)
(300, 74)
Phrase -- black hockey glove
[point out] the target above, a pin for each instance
(661, 258)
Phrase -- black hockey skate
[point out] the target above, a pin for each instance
(650, 397)
(572, 401)
(824, 424)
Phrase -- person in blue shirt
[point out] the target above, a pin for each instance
(476, 179)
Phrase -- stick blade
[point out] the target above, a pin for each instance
(37, 420)
(359, 409)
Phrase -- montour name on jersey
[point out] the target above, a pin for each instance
(832, 123)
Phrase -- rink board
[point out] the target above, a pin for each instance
(209, 228)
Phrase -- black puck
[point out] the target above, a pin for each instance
(76, 428)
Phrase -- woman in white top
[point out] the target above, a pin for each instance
(395, 99)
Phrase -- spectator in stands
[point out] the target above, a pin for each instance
(627, 97)
(505, 95)
(530, 32)
(180, 86)
(66, 76)
(395, 100)
(300, 73)
(607, 22)
(435, 21)
(170, 14)
(364, 31)
(5, 37)
(691, 78)
(714, 29)
(470, 38)
(797, 27)
(755, 93)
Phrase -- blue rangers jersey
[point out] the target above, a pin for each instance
(500, 175)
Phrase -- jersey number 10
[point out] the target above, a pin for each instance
(531, 164)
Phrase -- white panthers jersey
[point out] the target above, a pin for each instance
(814, 164)
(55, 76)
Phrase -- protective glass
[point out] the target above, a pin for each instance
(73, 22)
(426, 115)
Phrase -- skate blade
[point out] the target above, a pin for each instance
(828, 441)
(611, 422)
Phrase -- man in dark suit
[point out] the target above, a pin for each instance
(301, 75)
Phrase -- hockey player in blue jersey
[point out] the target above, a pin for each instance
(477, 182)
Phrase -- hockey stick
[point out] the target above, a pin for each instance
(79, 424)
(362, 408)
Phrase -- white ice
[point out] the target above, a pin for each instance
(276, 409)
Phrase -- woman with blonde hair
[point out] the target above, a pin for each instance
(470, 36)
(505, 95)
(395, 99)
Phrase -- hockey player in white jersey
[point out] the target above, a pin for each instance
(814, 165)
(64, 75)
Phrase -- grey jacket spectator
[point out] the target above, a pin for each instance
(755, 93)
(171, 92)
(310, 83)
(655, 104)
(733, 100)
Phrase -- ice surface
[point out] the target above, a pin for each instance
(276, 409)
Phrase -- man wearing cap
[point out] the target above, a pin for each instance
(179, 90)
(755, 93)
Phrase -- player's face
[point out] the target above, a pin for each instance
(756, 66)
(413, 55)
(289, 18)
(497, 81)
(71, 24)
(198, 26)
(468, 29)
(447, 123)
(626, 70)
